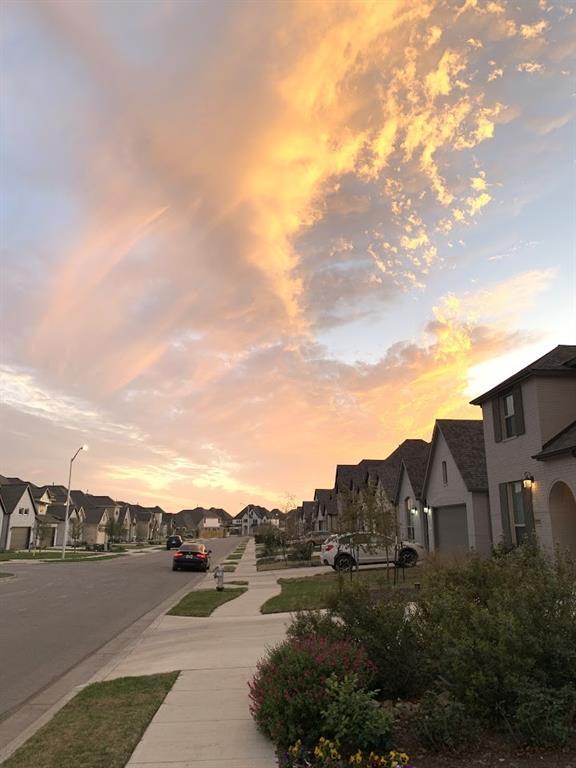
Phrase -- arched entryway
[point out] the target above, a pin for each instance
(563, 516)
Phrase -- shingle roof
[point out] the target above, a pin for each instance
(260, 512)
(560, 361)
(465, 440)
(563, 442)
(309, 510)
(11, 495)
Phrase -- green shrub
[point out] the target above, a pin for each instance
(302, 550)
(352, 716)
(380, 625)
(544, 717)
(288, 692)
(491, 626)
(316, 624)
(443, 723)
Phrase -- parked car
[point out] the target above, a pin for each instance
(317, 537)
(174, 542)
(192, 555)
(343, 552)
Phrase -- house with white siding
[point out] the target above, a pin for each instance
(17, 528)
(455, 489)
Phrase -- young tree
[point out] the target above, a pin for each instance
(369, 516)
(75, 531)
(41, 531)
(114, 530)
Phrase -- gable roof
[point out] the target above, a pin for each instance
(465, 441)
(11, 494)
(560, 361)
(260, 512)
(563, 442)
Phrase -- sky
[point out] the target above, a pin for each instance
(243, 242)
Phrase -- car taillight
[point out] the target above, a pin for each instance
(328, 547)
(202, 554)
(178, 554)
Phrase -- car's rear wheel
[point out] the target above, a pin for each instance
(407, 558)
(175, 568)
(344, 563)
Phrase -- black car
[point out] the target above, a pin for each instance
(173, 542)
(193, 556)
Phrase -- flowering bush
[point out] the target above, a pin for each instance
(328, 754)
(288, 693)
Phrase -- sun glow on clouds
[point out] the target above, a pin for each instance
(317, 165)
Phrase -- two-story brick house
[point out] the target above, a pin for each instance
(530, 440)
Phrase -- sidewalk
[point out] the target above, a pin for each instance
(205, 720)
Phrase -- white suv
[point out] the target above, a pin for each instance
(345, 551)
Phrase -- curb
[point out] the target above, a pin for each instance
(130, 636)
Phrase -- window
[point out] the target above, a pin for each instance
(508, 413)
(23, 511)
(518, 521)
(409, 517)
(444, 473)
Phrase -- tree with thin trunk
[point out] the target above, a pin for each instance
(76, 531)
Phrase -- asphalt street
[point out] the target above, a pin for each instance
(54, 615)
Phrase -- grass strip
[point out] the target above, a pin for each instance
(203, 602)
(99, 728)
(6, 575)
(229, 568)
(239, 583)
(94, 559)
(47, 555)
(312, 592)
(234, 557)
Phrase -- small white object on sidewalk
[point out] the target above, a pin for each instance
(219, 576)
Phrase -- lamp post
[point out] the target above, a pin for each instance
(82, 448)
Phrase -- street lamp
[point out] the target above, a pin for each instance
(82, 448)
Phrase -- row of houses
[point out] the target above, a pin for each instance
(478, 482)
(34, 516)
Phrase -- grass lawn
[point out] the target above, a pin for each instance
(93, 559)
(204, 601)
(311, 592)
(279, 565)
(46, 555)
(99, 727)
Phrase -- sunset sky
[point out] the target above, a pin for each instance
(243, 242)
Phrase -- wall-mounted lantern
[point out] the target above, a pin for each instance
(528, 480)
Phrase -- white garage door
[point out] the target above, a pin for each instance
(451, 528)
(20, 538)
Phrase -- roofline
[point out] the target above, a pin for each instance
(524, 373)
(571, 449)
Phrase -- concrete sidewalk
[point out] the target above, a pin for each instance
(205, 720)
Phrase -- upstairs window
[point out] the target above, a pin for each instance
(410, 532)
(444, 473)
(508, 413)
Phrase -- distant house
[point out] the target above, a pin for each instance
(250, 518)
(325, 510)
(530, 436)
(18, 524)
(456, 488)
(413, 520)
(200, 522)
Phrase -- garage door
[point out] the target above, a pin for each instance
(451, 529)
(20, 538)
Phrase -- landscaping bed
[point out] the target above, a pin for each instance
(476, 667)
(99, 728)
(203, 602)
